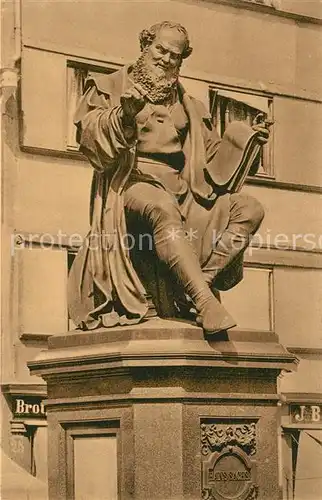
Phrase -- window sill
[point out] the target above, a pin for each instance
(71, 154)
(259, 179)
(271, 182)
(40, 339)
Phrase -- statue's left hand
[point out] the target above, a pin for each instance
(263, 133)
(262, 126)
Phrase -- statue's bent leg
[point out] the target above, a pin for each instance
(161, 210)
(246, 215)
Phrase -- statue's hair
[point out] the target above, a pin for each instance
(147, 36)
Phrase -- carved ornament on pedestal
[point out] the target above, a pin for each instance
(228, 461)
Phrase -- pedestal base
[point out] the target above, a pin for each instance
(163, 413)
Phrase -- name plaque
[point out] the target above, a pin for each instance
(306, 414)
(229, 475)
(28, 406)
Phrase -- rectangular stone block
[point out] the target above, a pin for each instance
(43, 285)
(158, 451)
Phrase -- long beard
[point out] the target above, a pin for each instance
(159, 88)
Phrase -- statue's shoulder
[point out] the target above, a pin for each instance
(200, 108)
(107, 84)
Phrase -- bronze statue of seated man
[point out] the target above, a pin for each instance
(153, 149)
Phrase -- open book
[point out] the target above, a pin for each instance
(237, 153)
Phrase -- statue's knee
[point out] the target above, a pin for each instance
(255, 212)
(249, 209)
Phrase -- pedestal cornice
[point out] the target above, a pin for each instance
(155, 345)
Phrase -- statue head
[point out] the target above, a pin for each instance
(169, 33)
(163, 46)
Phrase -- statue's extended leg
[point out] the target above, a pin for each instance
(246, 215)
(162, 212)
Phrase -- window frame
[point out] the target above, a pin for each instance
(268, 150)
(85, 66)
(87, 429)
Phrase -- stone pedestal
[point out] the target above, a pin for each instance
(156, 411)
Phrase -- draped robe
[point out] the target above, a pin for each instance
(104, 288)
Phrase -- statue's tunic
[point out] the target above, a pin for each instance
(172, 149)
(161, 133)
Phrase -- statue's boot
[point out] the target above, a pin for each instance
(182, 260)
(185, 307)
(245, 219)
(232, 243)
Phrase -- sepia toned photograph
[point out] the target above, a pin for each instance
(161, 250)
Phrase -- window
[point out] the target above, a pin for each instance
(76, 77)
(302, 478)
(227, 106)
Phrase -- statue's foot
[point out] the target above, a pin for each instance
(214, 318)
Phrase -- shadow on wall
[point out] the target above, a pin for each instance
(17, 483)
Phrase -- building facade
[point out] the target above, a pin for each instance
(249, 57)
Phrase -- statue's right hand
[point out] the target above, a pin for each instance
(133, 101)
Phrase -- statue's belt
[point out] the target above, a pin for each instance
(173, 160)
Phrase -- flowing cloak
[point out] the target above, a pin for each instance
(103, 287)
